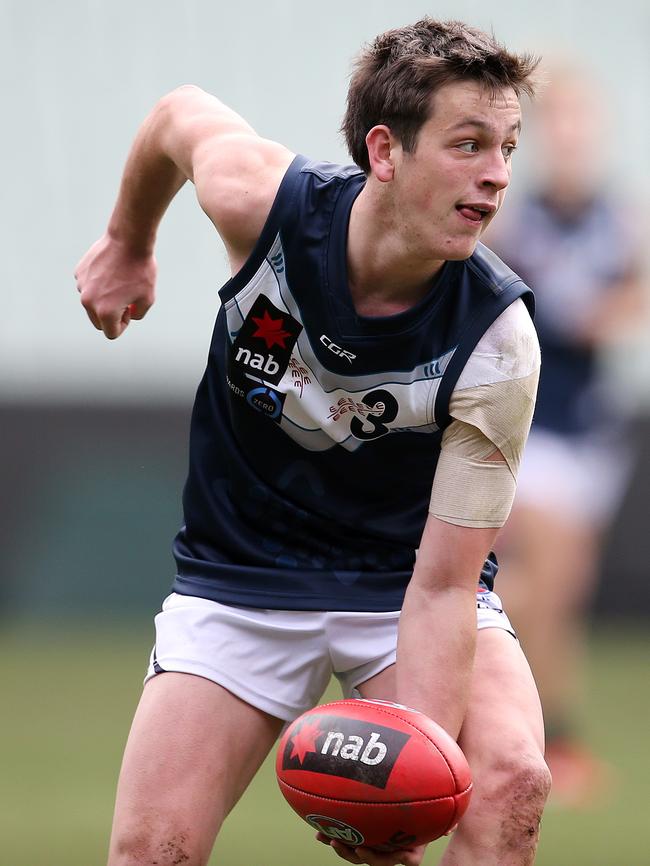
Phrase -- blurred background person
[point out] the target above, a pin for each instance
(571, 240)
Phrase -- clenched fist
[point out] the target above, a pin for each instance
(115, 284)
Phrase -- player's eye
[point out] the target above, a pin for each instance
(508, 150)
(468, 146)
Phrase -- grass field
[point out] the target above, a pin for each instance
(67, 698)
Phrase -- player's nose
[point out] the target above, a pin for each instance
(495, 171)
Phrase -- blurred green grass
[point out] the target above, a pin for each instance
(68, 694)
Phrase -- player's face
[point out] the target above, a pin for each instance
(449, 189)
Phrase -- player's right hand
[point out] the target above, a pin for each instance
(115, 285)
(406, 857)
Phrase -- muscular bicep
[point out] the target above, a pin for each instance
(236, 173)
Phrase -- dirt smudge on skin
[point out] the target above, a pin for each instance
(175, 849)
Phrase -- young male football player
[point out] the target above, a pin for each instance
(369, 388)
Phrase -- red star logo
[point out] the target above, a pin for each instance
(270, 330)
(305, 740)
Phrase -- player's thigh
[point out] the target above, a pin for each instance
(503, 740)
(503, 729)
(381, 687)
(192, 750)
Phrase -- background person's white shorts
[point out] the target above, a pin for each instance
(580, 478)
(281, 661)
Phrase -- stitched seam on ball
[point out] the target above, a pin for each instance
(456, 819)
(365, 803)
(387, 712)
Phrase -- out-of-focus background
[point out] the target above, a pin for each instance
(93, 433)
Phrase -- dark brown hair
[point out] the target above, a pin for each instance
(395, 77)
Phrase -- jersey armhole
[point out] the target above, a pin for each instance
(281, 208)
(470, 339)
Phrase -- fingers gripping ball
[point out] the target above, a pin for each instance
(373, 773)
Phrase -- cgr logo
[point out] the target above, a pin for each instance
(346, 747)
(337, 350)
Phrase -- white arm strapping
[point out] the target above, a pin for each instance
(492, 407)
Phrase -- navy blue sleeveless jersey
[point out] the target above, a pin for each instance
(316, 431)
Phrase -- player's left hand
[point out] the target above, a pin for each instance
(405, 857)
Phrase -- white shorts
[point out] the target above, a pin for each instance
(579, 478)
(281, 661)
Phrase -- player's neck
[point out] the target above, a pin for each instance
(386, 275)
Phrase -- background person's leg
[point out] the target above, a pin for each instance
(549, 576)
(568, 490)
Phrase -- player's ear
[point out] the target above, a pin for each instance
(380, 144)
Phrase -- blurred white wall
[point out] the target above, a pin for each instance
(78, 76)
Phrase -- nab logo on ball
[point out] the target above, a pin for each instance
(351, 748)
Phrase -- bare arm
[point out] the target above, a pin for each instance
(492, 407)
(437, 630)
(188, 135)
(436, 645)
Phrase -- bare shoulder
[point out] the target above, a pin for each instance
(236, 172)
(508, 350)
(513, 336)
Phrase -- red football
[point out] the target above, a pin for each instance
(373, 773)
